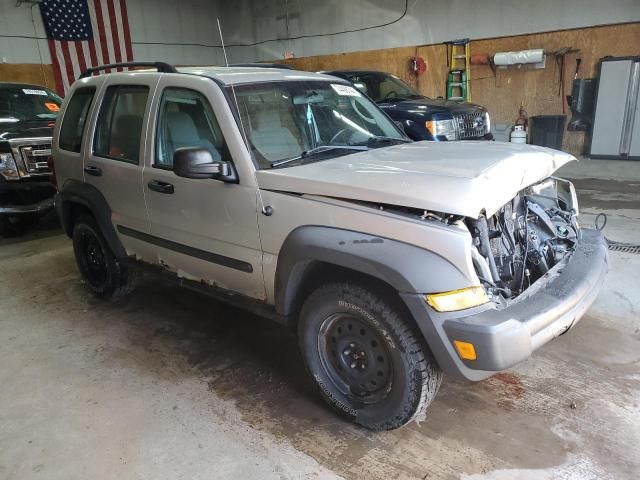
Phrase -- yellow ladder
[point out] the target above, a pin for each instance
(459, 71)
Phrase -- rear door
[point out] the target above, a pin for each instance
(68, 145)
(114, 161)
(205, 230)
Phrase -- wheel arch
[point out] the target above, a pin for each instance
(77, 198)
(312, 254)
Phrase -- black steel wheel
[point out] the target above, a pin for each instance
(355, 357)
(105, 275)
(91, 257)
(367, 359)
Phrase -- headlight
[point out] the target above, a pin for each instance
(447, 128)
(8, 168)
(487, 120)
(457, 299)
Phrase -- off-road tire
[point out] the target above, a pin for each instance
(108, 277)
(413, 377)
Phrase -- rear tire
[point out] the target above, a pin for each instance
(369, 364)
(106, 276)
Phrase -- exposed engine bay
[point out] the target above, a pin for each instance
(525, 238)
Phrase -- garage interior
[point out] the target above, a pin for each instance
(168, 384)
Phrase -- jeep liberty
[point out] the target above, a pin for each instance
(293, 195)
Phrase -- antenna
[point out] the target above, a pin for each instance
(266, 210)
(224, 50)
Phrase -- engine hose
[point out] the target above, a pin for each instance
(600, 224)
(604, 221)
(485, 248)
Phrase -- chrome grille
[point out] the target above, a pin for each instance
(471, 125)
(32, 156)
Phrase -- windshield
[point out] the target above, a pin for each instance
(20, 103)
(383, 87)
(290, 120)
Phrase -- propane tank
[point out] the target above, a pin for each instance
(518, 135)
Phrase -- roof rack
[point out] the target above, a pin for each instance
(160, 66)
(283, 66)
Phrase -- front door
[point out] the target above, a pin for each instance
(203, 229)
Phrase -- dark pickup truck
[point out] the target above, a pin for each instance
(27, 116)
(422, 118)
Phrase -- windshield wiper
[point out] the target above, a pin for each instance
(394, 139)
(319, 149)
(39, 119)
(379, 139)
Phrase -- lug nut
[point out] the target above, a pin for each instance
(353, 365)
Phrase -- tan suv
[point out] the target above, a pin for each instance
(293, 195)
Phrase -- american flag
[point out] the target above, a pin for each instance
(85, 33)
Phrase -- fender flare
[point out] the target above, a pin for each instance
(406, 268)
(80, 193)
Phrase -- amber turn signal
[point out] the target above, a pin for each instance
(466, 350)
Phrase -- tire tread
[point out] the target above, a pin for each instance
(427, 375)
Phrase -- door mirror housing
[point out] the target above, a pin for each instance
(196, 162)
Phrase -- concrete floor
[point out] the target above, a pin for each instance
(169, 385)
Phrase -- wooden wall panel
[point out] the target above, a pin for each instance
(28, 73)
(502, 92)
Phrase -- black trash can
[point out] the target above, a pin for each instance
(547, 130)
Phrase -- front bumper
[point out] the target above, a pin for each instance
(32, 196)
(505, 337)
(40, 207)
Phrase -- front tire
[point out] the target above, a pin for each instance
(369, 363)
(106, 276)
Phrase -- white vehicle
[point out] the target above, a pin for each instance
(292, 194)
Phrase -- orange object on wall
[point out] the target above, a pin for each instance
(418, 65)
(480, 59)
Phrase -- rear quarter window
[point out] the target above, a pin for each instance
(74, 120)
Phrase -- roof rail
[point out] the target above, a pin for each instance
(283, 66)
(160, 66)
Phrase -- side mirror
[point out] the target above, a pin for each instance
(196, 162)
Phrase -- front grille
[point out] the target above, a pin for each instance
(471, 125)
(35, 158)
(32, 156)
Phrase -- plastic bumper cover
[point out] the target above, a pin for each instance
(42, 206)
(503, 338)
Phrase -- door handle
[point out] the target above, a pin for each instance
(160, 187)
(91, 170)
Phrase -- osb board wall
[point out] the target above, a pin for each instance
(502, 92)
(28, 73)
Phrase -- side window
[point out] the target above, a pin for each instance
(185, 119)
(119, 127)
(72, 128)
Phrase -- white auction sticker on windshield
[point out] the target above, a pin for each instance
(345, 90)
(29, 91)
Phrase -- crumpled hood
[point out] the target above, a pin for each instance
(460, 178)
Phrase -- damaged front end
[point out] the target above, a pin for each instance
(525, 238)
